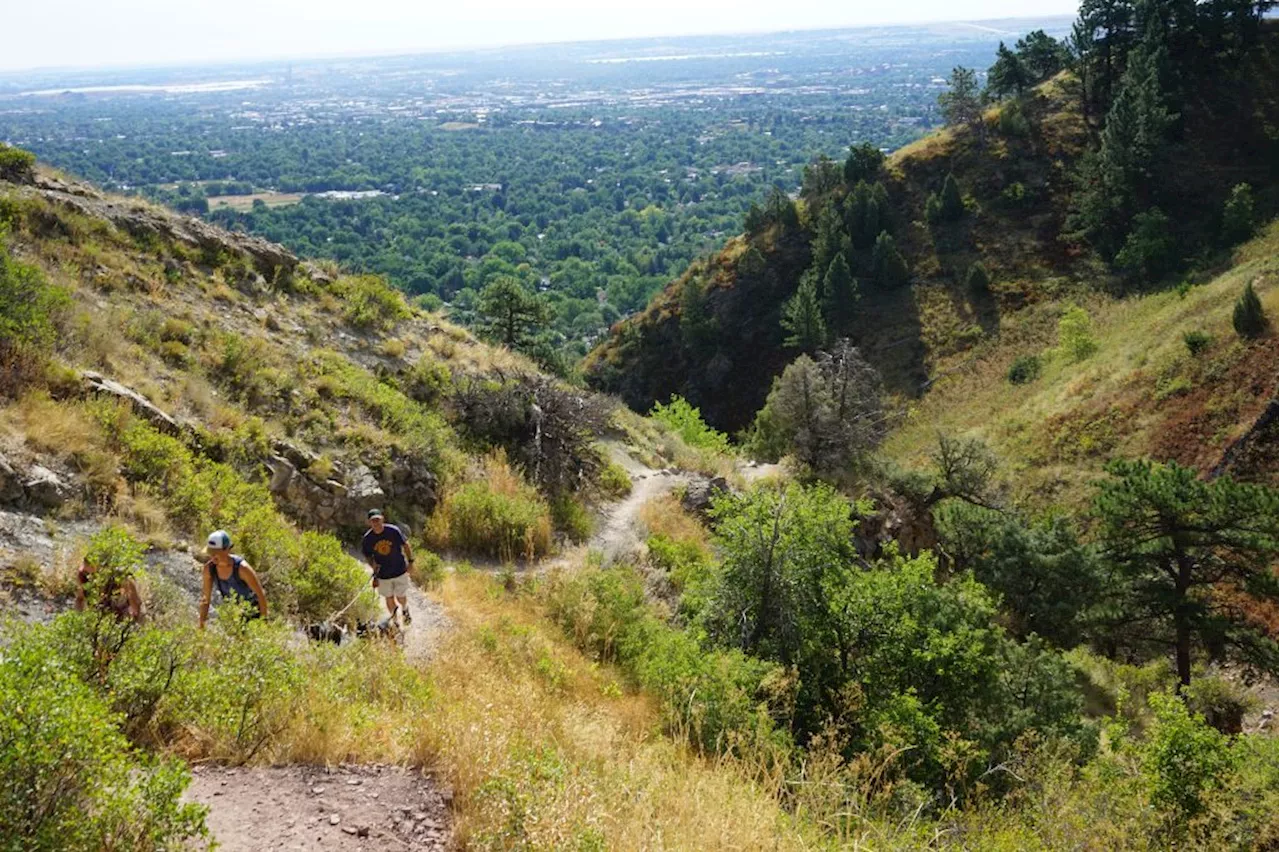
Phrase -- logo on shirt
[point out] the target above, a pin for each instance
(383, 548)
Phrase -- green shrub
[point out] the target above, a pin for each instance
(687, 422)
(498, 515)
(571, 518)
(1015, 194)
(1013, 122)
(29, 309)
(1183, 759)
(1024, 369)
(16, 165)
(325, 579)
(614, 481)
(1248, 318)
(369, 303)
(1238, 215)
(428, 569)
(1197, 341)
(428, 381)
(69, 780)
(977, 281)
(1075, 334)
(1150, 250)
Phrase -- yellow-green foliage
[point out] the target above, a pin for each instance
(614, 481)
(369, 303)
(496, 513)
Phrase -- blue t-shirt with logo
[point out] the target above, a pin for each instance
(386, 549)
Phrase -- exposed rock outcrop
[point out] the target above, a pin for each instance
(271, 260)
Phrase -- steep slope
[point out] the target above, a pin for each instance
(714, 335)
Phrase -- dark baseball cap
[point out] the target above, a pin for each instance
(375, 513)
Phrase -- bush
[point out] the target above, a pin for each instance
(977, 281)
(427, 570)
(1013, 121)
(1196, 341)
(687, 422)
(571, 518)
(1075, 334)
(1150, 249)
(614, 481)
(1183, 759)
(498, 515)
(16, 165)
(1024, 369)
(29, 308)
(69, 779)
(1248, 318)
(369, 303)
(1238, 215)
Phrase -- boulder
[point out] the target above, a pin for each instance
(45, 489)
(699, 495)
(10, 484)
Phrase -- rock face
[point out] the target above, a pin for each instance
(44, 488)
(268, 258)
(344, 499)
(95, 384)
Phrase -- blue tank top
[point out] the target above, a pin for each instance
(233, 585)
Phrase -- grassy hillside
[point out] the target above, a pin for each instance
(1016, 175)
(1142, 393)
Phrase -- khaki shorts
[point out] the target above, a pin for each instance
(396, 587)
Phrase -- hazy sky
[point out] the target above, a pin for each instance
(88, 33)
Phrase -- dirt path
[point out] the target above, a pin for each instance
(345, 809)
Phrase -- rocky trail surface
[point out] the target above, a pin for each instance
(340, 809)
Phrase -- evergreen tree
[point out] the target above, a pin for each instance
(1008, 76)
(1177, 545)
(829, 238)
(866, 213)
(819, 179)
(802, 316)
(1041, 55)
(1116, 180)
(960, 104)
(950, 201)
(1237, 215)
(1248, 317)
(1149, 251)
(889, 269)
(698, 326)
(509, 313)
(977, 281)
(754, 221)
(863, 163)
(839, 295)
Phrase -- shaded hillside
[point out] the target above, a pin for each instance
(1017, 172)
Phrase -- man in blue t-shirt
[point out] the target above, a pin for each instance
(390, 556)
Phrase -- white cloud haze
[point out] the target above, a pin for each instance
(90, 33)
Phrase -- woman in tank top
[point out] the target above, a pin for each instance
(231, 576)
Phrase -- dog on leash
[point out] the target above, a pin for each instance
(387, 627)
(327, 631)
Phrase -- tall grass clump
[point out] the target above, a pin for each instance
(496, 513)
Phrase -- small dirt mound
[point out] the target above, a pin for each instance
(322, 809)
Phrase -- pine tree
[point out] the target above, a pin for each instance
(510, 313)
(863, 163)
(802, 317)
(889, 269)
(960, 104)
(1042, 55)
(951, 202)
(1149, 251)
(1248, 317)
(1008, 75)
(829, 238)
(1178, 544)
(839, 295)
(697, 324)
(1116, 179)
(866, 212)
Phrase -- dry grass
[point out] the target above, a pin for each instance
(545, 751)
(495, 512)
(666, 517)
(1055, 433)
(243, 203)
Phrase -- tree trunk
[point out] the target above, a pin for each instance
(1183, 653)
